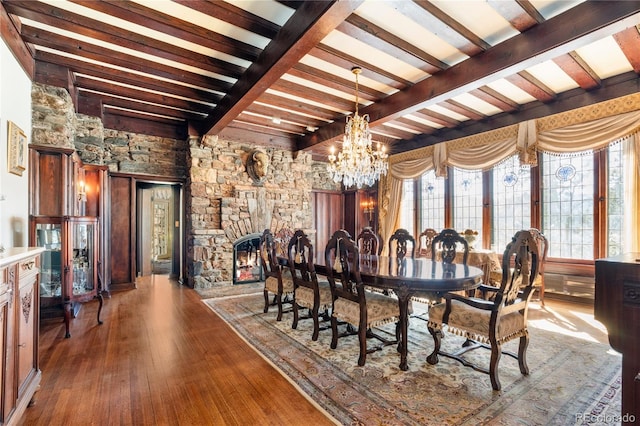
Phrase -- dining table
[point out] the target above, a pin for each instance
(408, 277)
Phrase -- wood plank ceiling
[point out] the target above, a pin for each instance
(278, 72)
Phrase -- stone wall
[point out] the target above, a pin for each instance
(222, 203)
(225, 204)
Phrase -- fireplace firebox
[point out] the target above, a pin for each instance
(247, 262)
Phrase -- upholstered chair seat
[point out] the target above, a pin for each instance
(305, 296)
(474, 324)
(381, 310)
(271, 283)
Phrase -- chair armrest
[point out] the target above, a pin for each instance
(473, 302)
(488, 288)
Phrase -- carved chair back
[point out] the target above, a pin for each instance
(520, 267)
(425, 241)
(368, 241)
(404, 243)
(343, 268)
(447, 243)
(270, 264)
(301, 262)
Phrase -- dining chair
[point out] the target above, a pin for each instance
(368, 241)
(278, 278)
(403, 242)
(425, 240)
(543, 248)
(308, 290)
(361, 310)
(491, 323)
(447, 244)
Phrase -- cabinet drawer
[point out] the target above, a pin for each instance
(28, 268)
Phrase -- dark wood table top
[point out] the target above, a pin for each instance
(415, 275)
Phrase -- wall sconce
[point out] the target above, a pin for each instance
(368, 207)
(82, 192)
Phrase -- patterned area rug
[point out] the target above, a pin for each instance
(572, 381)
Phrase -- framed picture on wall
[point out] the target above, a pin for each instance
(17, 149)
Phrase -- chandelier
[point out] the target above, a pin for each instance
(358, 163)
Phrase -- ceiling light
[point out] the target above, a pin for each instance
(358, 163)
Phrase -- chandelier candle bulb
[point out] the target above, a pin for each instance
(358, 163)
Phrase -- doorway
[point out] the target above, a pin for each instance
(158, 252)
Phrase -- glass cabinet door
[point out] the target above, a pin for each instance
(82, 246)
(80, 266)
(49, 236)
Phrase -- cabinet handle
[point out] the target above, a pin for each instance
(28, 265)
(22, 345)
(637, 379)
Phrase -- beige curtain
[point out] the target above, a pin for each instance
(391, 199)
(592, 135)
(631, 225)
(487, 150)
(482, 157)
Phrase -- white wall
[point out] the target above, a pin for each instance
(15, 105)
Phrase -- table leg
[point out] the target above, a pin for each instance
(403, 303)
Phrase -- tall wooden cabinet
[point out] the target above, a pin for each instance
(67, 200)
(19, 317)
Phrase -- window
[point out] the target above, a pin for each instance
(615, 200)
(408, 209)
(568, 205)
(511, 202)
(432, 214)
(467, 200)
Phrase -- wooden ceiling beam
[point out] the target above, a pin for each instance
(10, 32)
(461, 109)
(334, 82)
(579, 26)
(453, 24)
(418, 14)
(96, 53)
(374, 36)
(495, 98)
(611, 88)
(329, 55)
(124, 77)
(64, 20)
(527, 82)
(514, 13)
(629, 42)
(531, 10)
(306, 28)
(578, 70)
(135, 94)
(239, 17)
(142, 125)
(138, 14)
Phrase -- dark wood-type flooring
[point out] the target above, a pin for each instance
(160, 358)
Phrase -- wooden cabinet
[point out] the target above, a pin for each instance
(617, 306)
(19, 317)
(69, 274)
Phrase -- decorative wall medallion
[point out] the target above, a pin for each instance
(257, 165)
(26, 305)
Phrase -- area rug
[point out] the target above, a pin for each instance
(572, 381)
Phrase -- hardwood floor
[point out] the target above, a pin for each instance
(160, 358)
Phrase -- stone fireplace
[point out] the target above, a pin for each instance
(226, 207)
(247, 262)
